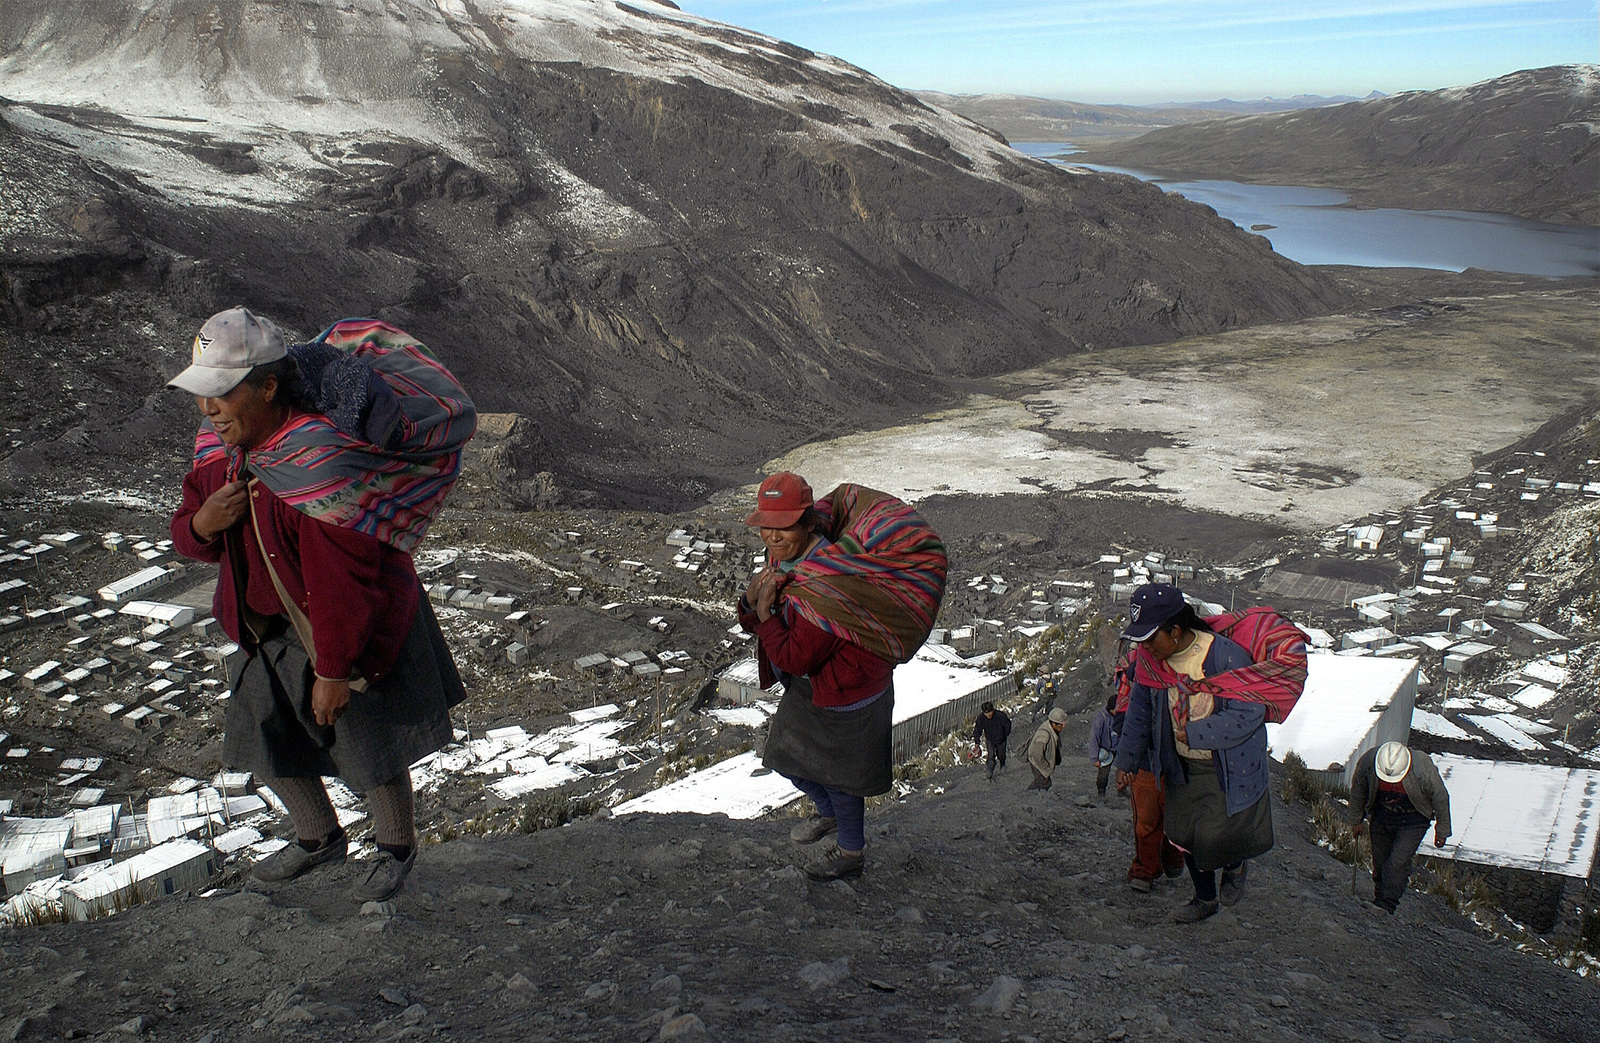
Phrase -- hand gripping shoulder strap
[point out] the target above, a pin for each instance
(302, 625)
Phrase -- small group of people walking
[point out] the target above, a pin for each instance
(318, 468)
(1193, 760)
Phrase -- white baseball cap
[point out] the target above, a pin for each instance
(226, 349)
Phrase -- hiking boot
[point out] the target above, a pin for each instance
(1195, 911)
(292, 860)
(813, 829)
(1140, 884)
(1175, 870)
(1233, 881)
(385, 876)
(836, 865)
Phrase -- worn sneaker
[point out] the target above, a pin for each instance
(1140, 884)
(1233, 881)
(385, 876)
(836, 865)
(292, 860)
(1195, 911)
(813, 829)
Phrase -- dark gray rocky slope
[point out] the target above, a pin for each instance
(987, 913)
(1524, 144)
(673, 246)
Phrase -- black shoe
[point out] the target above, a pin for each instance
(1195, 911)
(813, 829)
(1233, 881)
(836, 865)
(385, 876)
(293, 860)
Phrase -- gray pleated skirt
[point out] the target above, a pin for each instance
(846, 750)
(1198, 820)
(272, 732)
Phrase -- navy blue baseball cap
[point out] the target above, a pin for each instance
(1150, 608)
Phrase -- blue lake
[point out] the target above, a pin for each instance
(1313, 228)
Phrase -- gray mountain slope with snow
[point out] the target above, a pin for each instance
(675, 246)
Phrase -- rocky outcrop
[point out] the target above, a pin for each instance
(674, 247)
(1525, 144)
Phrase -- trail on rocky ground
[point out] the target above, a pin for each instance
(986, 913)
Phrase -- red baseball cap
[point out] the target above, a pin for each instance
(783, 498)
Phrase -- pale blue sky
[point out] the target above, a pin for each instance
(1141, 51)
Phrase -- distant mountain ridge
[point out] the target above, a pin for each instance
(1024, 118)
(1527, 144)
(1269, 104)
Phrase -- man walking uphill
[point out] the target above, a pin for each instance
(1400, 789)
(1044, 751)
(993, 727)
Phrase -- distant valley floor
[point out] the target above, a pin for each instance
(1302, 425)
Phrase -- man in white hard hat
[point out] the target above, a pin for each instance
(1400, 790)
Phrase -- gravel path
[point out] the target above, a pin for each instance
(987, 913)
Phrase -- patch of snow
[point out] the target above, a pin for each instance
(738, 787)
(1507, 733)
(1440, 726)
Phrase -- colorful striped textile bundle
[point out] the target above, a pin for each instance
(392, 494)
(880, 581)
(1275, 680)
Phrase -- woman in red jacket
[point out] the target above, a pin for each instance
(346, 672)
(831, 734)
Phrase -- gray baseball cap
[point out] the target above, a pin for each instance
(226, 349)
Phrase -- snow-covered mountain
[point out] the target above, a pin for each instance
(672, 244)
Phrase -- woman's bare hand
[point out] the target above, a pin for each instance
(222, 510)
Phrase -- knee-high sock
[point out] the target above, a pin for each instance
(309, 807)
(394, 820)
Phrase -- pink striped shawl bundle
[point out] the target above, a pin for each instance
(316, 468)
(880, 581)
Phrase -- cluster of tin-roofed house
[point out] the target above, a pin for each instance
(1451, 626)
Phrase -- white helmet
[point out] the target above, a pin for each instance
(1394, 760)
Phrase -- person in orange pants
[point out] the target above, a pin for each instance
(1153, 853)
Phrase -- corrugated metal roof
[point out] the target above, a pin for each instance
(1536, 817)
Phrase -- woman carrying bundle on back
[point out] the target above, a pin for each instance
(851, 587)
(317, 469)
(1197, 713)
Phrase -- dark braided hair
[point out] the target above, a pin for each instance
(1188, 619)
(292, 390)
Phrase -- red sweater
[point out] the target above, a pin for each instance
(359, 593)
(842, 673)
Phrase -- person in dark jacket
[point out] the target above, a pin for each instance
(1210, 752)
(1401, 791)
(832, 732)
(366, 691)
(992, 728)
